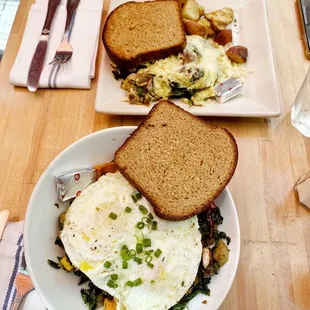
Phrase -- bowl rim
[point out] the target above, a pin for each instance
(41, 179)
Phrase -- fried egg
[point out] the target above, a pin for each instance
(100, 236)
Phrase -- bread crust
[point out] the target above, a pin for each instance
(202, 207)
(136, 60)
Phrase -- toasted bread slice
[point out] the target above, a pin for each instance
(177, 161)
(136, 32)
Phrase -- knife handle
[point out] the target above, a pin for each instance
(51, 10)
(72, 6)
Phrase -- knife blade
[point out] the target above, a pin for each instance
(37, 62)
(4, 217)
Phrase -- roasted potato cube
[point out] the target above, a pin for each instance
(192, 27)
(238, 54)
(109, 304)
(66, 264)
(204, 22)
(221, 18)
(191, 10)
(221, 253)
(223, 37)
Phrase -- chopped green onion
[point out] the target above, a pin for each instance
(149, 252)
(132, 254)
(138, 260)
(107, 264)
(150, 265)
(146, 221)
(113, 216)
(130, 283)
(143, 209)
(114, 277)
(136, 196)
(152, 281)
(140, 225)
(151, 216)
(115, 286)
(148, 259)
(137, 282)
(182, 283)
(154, 225)
(158, 253)
(147, 243)
(139, 248)
(127, 209)
(125, 265)
(124, 252)
(110, 283)
(124, 249)
(139, 235)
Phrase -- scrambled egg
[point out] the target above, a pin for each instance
(191, 75)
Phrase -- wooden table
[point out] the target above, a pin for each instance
(275, 230)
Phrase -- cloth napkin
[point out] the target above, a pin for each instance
(84, 35)
(11, 251)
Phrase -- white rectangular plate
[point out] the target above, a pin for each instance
(260, 97)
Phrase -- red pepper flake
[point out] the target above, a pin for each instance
(78, 193)
(76, 176)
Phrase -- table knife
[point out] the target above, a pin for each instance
(37, 61)
(4, 217)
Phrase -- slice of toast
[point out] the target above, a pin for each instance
(177, 161)
(136, 32)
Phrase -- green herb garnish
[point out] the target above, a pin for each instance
(140, 225)
(107, 265)
(150, 265)
(147, 243)
(113, 216)
(154, 225)
(139, 248)
(128, 210)
(143, 209)
(136, 196)
(138, 260)
(158, 253)
(137, 282)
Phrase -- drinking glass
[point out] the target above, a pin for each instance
(300, 114)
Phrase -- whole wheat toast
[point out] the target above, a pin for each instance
(136, 32)
(177, 161)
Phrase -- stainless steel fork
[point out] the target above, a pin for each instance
(64, 51)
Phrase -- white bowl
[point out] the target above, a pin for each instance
(58, 289)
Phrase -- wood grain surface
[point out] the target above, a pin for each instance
(275, 253)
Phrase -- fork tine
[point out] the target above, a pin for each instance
(55, 59)
(66, 58)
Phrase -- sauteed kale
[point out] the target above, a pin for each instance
(212, 238)
(213, 243)
(93, 295)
